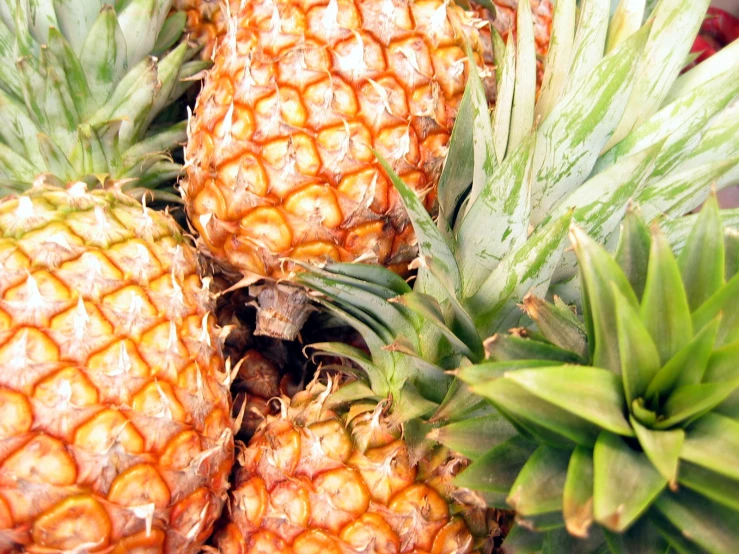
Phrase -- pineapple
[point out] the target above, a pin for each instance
(114, 410)
(280, 162)
(634, 440)
(207, 22)
(378, 464)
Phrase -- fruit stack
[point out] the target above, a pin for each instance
(442, 277)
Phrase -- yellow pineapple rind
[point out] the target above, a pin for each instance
(280, 162)
(115, 427)
(302, 483)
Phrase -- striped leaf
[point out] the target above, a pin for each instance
(506, 72)
(524, 94)
(570, 139)
(675, 24)
(502, 209)
(559, 57)
(590, 41)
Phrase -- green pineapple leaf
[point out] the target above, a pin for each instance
(457, 172)
(701, 260)
(589, 41)
(664, 307)
(637, 352)
(510, 347)
(591, 393)
(710, 484)
(559, 57)
(488, 371)
(686, 367)
(506, 74)
(524, 95)
(600, 273)
(625, 483)
(558, 323)
(496, 470)
(577, 497)
(643, 537)
(632, 252)
(538, 487)
(711, 526)
(712, 442)
(662, 448)
(551, 424)
(474, 437)
(431, 243)
(691, 401)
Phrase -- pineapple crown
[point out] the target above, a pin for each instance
(628, 419)
(81, 86)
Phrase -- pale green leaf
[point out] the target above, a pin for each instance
(691, 401)
(474, 437)
(547, 422)
(664, 306)
(559, 58)
(638, 354)
(524, 95)
(625, 21)
(686, 367)
(675, 24)
(528, 269)
(599, 272)
(662, 448)
(682, 191)
(625, 483)
(577, 501)
(483, 151)
(431, 243)
(569, 141)
(712, 526)
(590, 41)
(501, 211)
(706, 71)
(713, 443)
(539, 486)
(103, 55)
(591, 393)
(506, 73)
(632, 252)
(701, 260)
(682, 124)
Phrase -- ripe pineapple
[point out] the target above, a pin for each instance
(207, 21)
(280, 162)
(361, 469)
(635, 434)
(114, 409)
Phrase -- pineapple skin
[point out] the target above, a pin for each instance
(279, 157)
(115, 431)
(314, 480)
